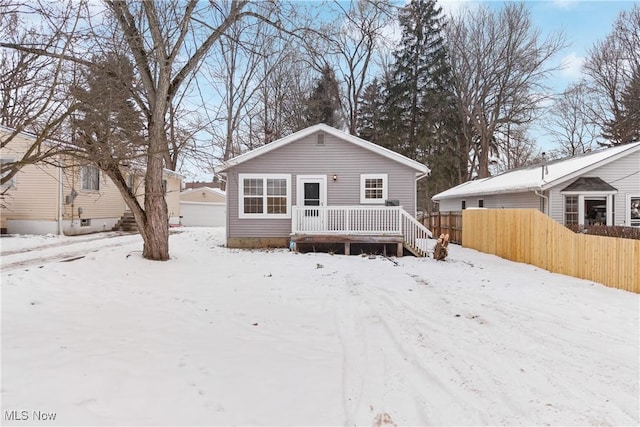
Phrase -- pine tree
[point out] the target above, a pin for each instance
(628, 127)
(371, 109)
(108, 127)
(420, 76)
(323, 105)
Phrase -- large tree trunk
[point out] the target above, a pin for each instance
(155, 230)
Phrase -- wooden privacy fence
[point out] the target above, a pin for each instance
(529, 236)
(445, 223)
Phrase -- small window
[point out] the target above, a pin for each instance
(320, 138)
(85, 222)
(481, 203)
(464, 204)
(90, 176)
(570, 210)
(267, 196)
(373, 188)
(12, 182)
(634, 211)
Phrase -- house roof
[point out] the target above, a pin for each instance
(198, 184)
(48, 141)
(589, 184)
(531, 178)
(419, 167)
(216, 191)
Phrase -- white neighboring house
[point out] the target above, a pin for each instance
(203, 207)
(600, 187)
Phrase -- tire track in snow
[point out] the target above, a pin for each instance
(390, 363)
(38, 256)
(525, 362)
(101, 236)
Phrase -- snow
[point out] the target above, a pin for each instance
(530, 178)
(218, 336)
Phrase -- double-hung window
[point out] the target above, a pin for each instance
(90, 177)
(373, 188)
(634, 211)
(4, 162)
(570, 210)
(264, 196)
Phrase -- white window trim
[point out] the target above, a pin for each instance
(83, 170)
(608, 199)
(13, 182)
(385, 186)
(628, 207)
(264, 177)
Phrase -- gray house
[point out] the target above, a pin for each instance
(599, 187)
(321, 185)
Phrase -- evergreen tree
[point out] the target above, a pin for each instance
(626, 128)
(323, 105)
(420, 76)
(108, 127)
(371, 109)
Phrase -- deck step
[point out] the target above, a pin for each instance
(417, 252)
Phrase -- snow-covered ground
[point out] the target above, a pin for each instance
(217, 336)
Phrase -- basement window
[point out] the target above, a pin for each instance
(85, 222)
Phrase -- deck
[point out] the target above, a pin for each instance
(359, 225)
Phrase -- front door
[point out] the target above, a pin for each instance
(312, 191)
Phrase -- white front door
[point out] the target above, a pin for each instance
(312, 191)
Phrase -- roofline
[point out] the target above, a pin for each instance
(214, 190)
(332, 131)
(544, 186)
(603, 162)
(488, 193)
(26, 134)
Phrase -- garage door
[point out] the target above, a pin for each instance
(198, 214)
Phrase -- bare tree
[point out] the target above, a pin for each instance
(167, 42)
(568, 121)
(514, 149)
(241, 68)
(33, 86)
(276, 110)
(499, 62)
(354, 43)
(609, 68)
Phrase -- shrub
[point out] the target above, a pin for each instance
(605, 230)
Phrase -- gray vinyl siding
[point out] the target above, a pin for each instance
(304, 157)
(623, 174)
(526, 200)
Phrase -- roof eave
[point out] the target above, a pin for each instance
(488, 193)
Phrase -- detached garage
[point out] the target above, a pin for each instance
(203, 207)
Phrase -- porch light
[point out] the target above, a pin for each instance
(335, 177)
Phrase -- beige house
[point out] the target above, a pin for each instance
(203, 207)
(65, 197)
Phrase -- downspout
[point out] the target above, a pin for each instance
(546, 203)
(60, 197)
(415, 193)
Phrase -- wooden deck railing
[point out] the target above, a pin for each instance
(360, 220)
(370, 220)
